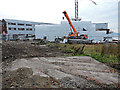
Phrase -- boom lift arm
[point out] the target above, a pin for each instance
(75, 32)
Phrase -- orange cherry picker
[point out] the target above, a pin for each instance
(74, 34)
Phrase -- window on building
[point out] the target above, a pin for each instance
(29, 29)
(28, 24)
(12, 28)
(20, 24)
(84, 29)
(21, 34)
(9, 28)
(21, 29)
(11, 23)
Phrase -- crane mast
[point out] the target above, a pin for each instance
(74, 33)
(76, 9)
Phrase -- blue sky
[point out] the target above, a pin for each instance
(51, 10)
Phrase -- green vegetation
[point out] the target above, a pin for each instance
(105, 53)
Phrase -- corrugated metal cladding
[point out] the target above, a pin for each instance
(0, 26)
(63, 29)
(119, 17)
(19, 29)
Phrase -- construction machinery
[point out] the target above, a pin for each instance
(76, 10)
(74, 34)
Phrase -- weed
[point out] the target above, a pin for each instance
(105, 53)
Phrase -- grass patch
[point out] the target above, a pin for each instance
(108, 54)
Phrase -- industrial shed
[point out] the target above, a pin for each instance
(119, 21)
(0, 26)
(84, 27)
(18, 29)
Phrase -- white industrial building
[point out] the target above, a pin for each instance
(97, 32)
(0, 29)
(0, 26)
(119, 20)
(17, 29)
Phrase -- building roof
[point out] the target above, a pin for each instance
(23, 21)
(100, 23)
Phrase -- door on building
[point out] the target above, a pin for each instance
(15, 36)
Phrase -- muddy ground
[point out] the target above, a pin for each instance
(27, 65)
(13, 50)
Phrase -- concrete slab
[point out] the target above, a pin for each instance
(61, 67)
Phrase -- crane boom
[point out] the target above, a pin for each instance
(66, 15)
(75, 33)
(93, 2)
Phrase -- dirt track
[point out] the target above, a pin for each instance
(33, 66)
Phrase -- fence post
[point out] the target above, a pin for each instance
(107, 45)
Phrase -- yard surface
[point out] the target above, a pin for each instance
(27, 65)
